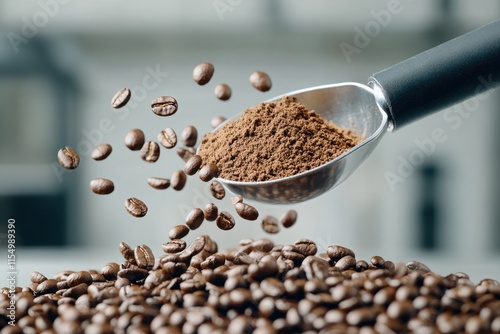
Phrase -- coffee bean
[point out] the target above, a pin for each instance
(167, 138)
(144, 257)
(211, 212)
(306, 247)
(133, 274)
(270, 225)
(136, 207)
(193, 165)
(315, 268)
(222, 92)
(178, 180)
(225, 221)
(101, 152)
(213, 261)
(202, 73)
(194, 248)
(236, 199)
(246, 211)
(189, 136)
(110, 270)
(346, 262)
(121, 98)
(159, 183)
(260, 81)
(208, 172)
(102, 186)
(68, 158)
(361, 316)
(195, 218)
(178, 232)
(417, 266)
(150, 151)
(127, 252)
(164, 106)
(37, 277)
(216, 121)
(47, 286)
(174, 246)
(288, 218)
(185, 153)
(217, 190)
(79, 278)
(135, 139)
(336, 252)
(377, 261)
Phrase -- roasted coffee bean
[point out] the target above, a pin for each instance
(37, 277)
(121, 98)
(337, 252)
(150, 151)
(144, 257)
(102, 186)
(164, 106)
(288, 218)
(136, 207)
(211, 212)
(174, 246)
(47, 286)
(167, 138)
(270, 225)
(178, 180)
(127, 252)
(194, 248)
(135, 139)
(178, 232)
(159, 183)
(225, 221)
(417, 266)
(315, 268)
(306, 247)
(76, 291)
(133, 274)
(189, 136)
(202, 73)
(195, 218)
(246, 211)
(101, 152)
(213, 261)
(208, 172)
(216, 121)
(68, 158)
(222, 92)
(260, 81)
(193, 165)
(217, 190)
(79, 278)
(185, 153)
(110, 270)
(346, 262)
(377, 261)
(236, 199)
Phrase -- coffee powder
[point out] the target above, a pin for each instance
(274, 140)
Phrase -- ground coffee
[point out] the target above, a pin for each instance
(273, 140)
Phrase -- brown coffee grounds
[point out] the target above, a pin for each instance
(273, 140)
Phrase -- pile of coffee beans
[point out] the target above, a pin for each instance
(256, 287)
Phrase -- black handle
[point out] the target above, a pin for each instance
(440, 77)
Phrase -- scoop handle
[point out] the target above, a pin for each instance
(440, 77)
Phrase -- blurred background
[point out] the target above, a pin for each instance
(61, 61)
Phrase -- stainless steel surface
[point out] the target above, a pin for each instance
(350, 105)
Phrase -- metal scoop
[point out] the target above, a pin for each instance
(396, 96)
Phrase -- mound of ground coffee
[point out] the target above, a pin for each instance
(256, 287)
(273, 140)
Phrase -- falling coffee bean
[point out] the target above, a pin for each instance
(150, 151)
(178, 180)
(185, 154)
(127, 252)
(101, 152)
(121, 98)
(189, 136)
(211, 212)
(168, 138)
(270, 225)
(208, 172)
(193, 165)
(236, 199)
(289, 218)
(164, 106)
(144, 257)
(102, 186)
(159, 183)
(225, 221)
(222, 92)
(68, 158)
(217, 190)
(135, 139)
(246, 211)
(178, 232)
(136, 207)
(174, 246)
(195, 218)
(261, 81)
(216, 121)
(202, 73)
